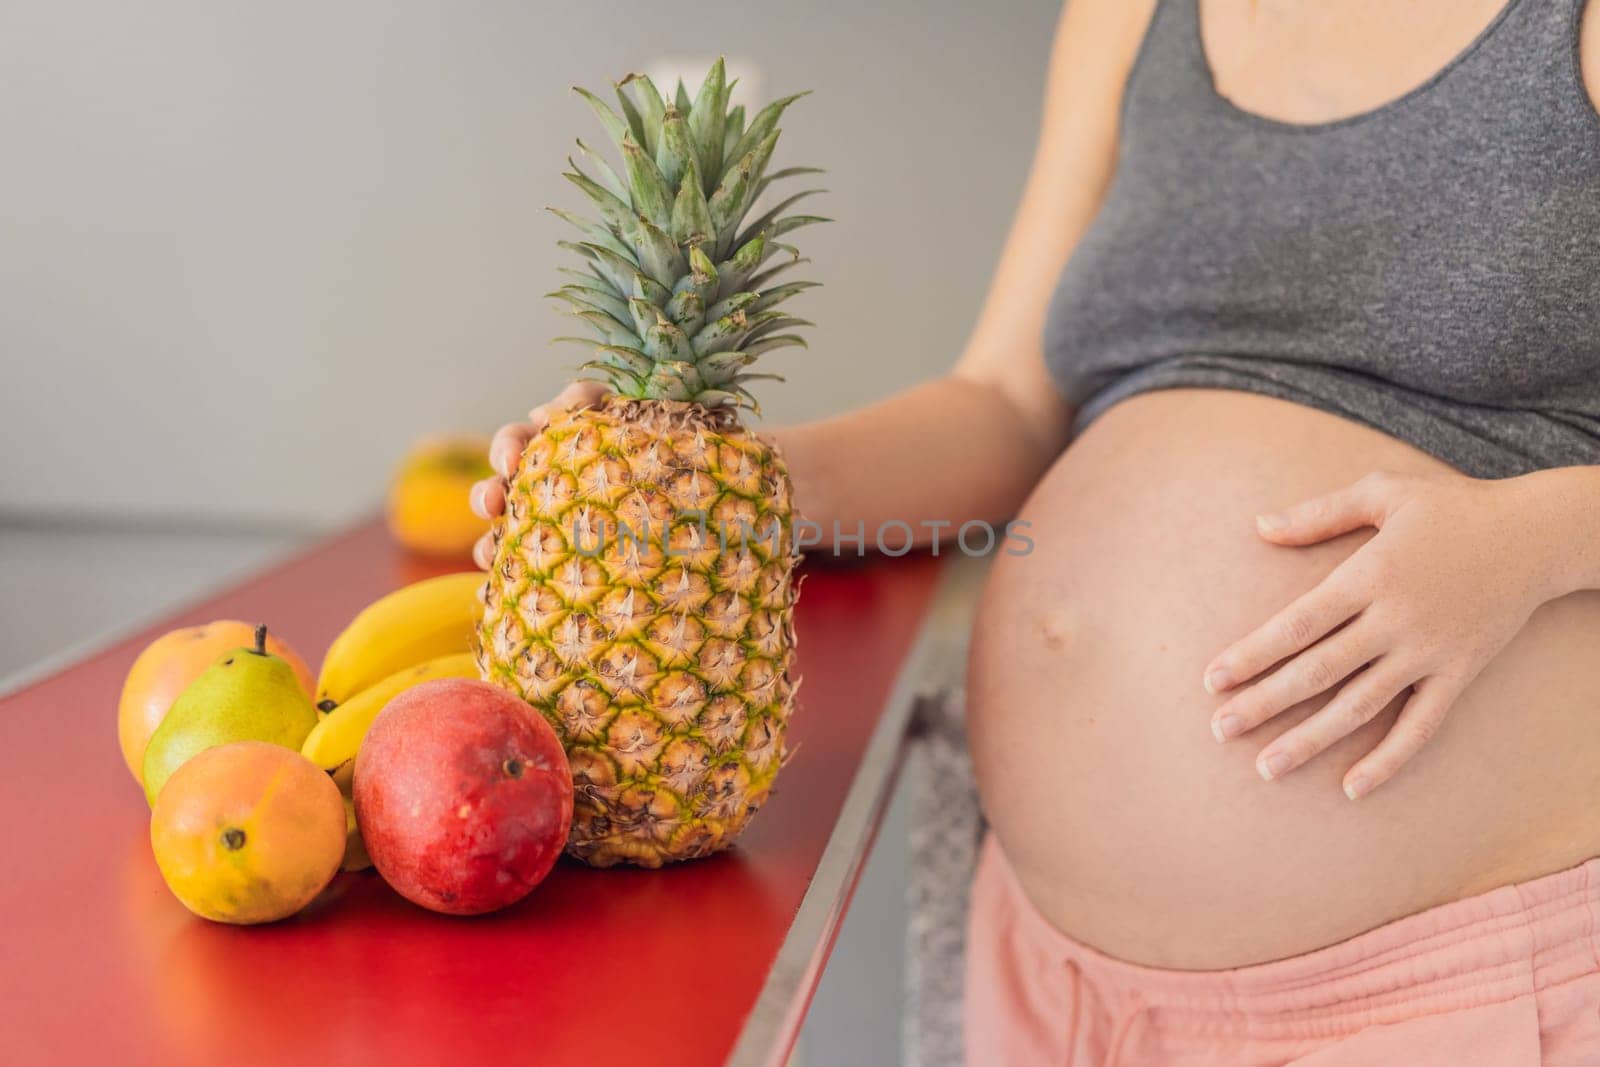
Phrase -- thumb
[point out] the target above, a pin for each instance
(1324, 517)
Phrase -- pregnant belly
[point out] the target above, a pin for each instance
(1127, 824)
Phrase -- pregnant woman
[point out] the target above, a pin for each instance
(1288, 729)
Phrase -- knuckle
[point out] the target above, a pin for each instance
(1359, 711)
(1318, 672)
(1367, 580)
(579, 393)
(1372, 576)
(1422, 730)
(1380, 480)
(1297, 628)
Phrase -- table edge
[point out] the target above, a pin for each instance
(773, 1024)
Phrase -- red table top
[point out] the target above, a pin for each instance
(99, 963)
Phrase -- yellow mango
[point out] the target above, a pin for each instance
(428, 509)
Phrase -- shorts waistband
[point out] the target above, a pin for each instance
(1508, 942)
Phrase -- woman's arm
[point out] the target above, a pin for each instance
(1571, 496)
(953, 449)
(972, 443)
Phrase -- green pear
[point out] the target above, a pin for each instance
(247, 695)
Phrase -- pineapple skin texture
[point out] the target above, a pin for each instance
(666, 669)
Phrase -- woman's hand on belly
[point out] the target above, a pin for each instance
(1455, 570)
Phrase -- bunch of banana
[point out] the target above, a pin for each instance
(423, 621)
(413, 635)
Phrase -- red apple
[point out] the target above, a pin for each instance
(463, 796)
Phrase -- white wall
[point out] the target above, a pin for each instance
(249, 251)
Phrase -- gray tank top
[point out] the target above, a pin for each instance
(1430, 268)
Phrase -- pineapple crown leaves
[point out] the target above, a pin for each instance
(677, 287)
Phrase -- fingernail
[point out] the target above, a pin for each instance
(1271, 523)
(1217, 679)
(1269, 767)
(1357, 787)
(1226, 727)
(476, 503)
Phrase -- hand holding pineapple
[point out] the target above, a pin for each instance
(488, 497)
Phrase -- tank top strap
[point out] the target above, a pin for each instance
(1170, 69)
(1538, 28)
(1527, 63)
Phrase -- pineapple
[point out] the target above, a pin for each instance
(642, 592)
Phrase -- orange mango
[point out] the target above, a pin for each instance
(248, 832)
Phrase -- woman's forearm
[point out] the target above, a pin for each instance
(951, 450)
(1566, 508)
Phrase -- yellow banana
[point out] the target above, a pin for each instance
(421, 622)
(336, 739)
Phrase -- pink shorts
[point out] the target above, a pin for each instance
(1507, 979)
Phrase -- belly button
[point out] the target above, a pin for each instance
(1056, 627)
